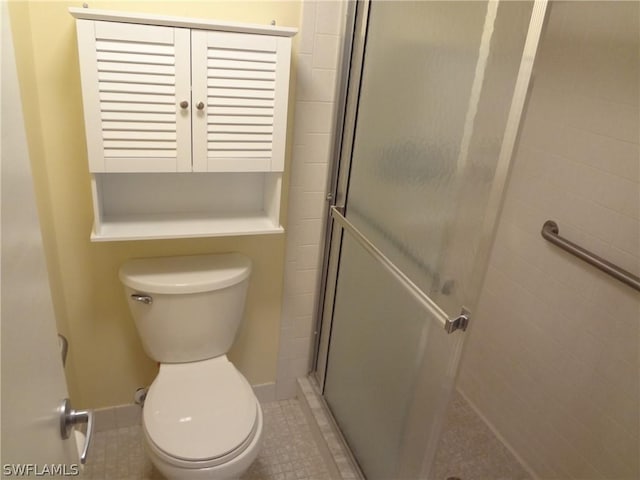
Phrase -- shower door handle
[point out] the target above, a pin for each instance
(460, 322)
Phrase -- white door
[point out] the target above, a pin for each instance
(33, 382)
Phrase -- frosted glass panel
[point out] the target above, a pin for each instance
(388, 368)
(418, 73)
(433, 107)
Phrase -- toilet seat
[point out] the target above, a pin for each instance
(221, 461)
(200, 414)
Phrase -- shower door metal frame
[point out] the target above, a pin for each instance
(353, 57)
(346, 116)
(346, 122)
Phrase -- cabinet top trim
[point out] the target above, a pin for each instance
(185, 22)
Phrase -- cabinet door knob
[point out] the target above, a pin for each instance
(184, 104)
(200, 106)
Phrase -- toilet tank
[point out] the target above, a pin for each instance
(187, 308)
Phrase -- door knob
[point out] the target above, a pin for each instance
(200, 106)
(184, 104)
(70, 417)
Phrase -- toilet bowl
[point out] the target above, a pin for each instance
(201, 418)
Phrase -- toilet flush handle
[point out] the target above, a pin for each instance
(146, 299)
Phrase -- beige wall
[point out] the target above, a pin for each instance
(106, 360)
(551, 361)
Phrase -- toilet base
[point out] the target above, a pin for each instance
(231, 470)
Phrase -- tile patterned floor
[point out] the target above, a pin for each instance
(469, 450)
(289, 451)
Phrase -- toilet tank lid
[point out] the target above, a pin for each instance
(185, 274)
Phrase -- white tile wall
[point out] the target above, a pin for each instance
(552, 358)
(318, 60)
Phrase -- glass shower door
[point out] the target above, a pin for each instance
(436, 93)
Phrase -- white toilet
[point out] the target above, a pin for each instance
(201, 419)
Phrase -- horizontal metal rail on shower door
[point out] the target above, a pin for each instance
(550, 231)
(450, 325)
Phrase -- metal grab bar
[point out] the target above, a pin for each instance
(450, 324)
(550, 232)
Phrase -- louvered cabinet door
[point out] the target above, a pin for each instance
(134, 78)
(240, 93)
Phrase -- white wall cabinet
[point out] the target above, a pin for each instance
(185, 123)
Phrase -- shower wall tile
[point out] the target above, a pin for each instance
(329, 17)
(309, 232)
(552, 361)
(307, 31)
(308, 256)
(602, 152)
(318, 69)
(311, 117)
(299, 282)
(326, 50)
(320, 145)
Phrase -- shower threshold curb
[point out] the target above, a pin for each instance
(330, 440)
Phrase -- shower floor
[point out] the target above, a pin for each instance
(469, 450)
(289, 451)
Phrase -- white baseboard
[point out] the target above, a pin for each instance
(117, 417)
(265, 392)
